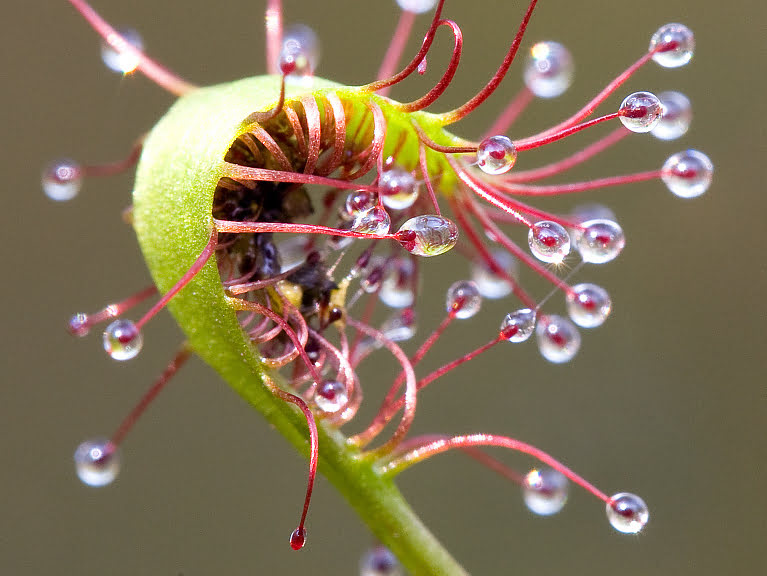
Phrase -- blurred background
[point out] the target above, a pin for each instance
(666, 400)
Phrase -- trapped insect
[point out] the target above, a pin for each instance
(265, 209)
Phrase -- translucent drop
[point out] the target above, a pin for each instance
(496, 155)
(549, 241)
(300, 52)
(400, 326)
(592, 211)
(680, 42)
(372, 281)
(432, 235)
(78, 325)
(97, 462)
(122, 340)
(558, 339)
(518, 326)
(490, 284)
(641, 112)
(331, 396)
(379, 561)
(549, 69)
(62, 180)
(545, 491)
(398, 283)
(627, 513)
(688, 174)
(588, 305)
(417, 6)
(298, 538)
(463, 299)
(114, 55)
(398, 189)
(374, 221)
(359, 201)
(677, 115)
(600, 241)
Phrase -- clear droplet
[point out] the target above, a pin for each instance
(558, 339)
(114, 54)
(627, 513)
(97, 462)
(678, 42)
(400, 326)
(398, 283)
(359, 201)
(688, 174)
(374, 221)
(417, 6)
(641, 112)
(490, 284)
(331, 396)
(374, 276)
(677, 116)
(79, 325)
(122, 340)
(62, 180)
(298, 538)
(549, 69)
(593, 211)
(428, 235)
(463, 299)
(398, 189)
(519, 325)
(549, 241)
(545, 491)
(600, 241)
(588, 305)
(496, 155)
(300, 52)
(379, 561)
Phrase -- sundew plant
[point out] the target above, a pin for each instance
(285, 220)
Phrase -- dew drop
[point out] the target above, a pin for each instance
(122, 340)
(379, 561)
(641, 112)
(400, 326)
(549, 241)
(298, 538)
(97, 462)
(490, 284)
(600, 241)
(417, 6)
(549, 69)
(331, 396)
(372, 281)
(359, 201)
(79, 325)
(688, 174)
(519, 325)
(677, 116)
(588, 305)
(398, 282)
(496, 155)
(374, 221)
(432, 235)
(558, 339)
(62, 180)
(300, 52)
(398, 189)
(114, 55)
(627, 513)
(545, 491)
(678, 44)
(463, 299)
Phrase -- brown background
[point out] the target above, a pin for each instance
(666, 400)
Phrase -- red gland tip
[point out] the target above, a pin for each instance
(298, 538)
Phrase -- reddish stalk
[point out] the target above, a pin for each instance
(273, 35)
(202, 259)
(284, 227)
(396, 48)
(423, 164)
(261, 117)
(548, 136)
(80, 324)
(158, 74)
(400, 461)
(112, 168)
(464, 110)
(238, 172)
(572, 187)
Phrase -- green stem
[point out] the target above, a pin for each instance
(180, 166)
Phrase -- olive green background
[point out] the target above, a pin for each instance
(667, 399)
